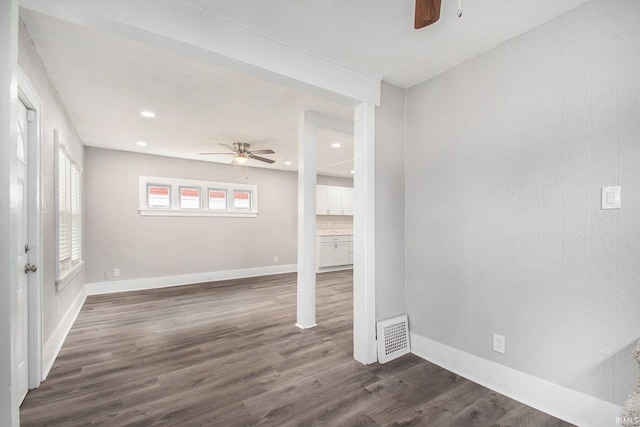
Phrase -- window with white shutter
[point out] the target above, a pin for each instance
(68, 212)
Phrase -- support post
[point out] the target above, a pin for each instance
(307, 166)
(364, 284)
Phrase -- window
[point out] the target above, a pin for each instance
(189, 198)
(241, 200)
(217, 199)
(68, 212)
(160, 196)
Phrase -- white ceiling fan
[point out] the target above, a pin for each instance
(242, 154)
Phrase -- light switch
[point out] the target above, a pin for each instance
(611, 197)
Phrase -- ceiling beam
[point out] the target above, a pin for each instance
(181, 27)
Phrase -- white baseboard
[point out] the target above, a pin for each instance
(112, 286)
(568, 405)
(54, 344)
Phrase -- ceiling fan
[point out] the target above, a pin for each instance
(241, 153)
(427, 12)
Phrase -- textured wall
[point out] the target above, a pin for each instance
(147, 246)
(390, 203)
(506, 156)
(54, 116)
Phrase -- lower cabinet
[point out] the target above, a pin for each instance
(334, 251)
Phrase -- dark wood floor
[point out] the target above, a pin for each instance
(228, 354)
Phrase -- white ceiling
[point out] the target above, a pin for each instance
(105, 80)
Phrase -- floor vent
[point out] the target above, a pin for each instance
(393, 338)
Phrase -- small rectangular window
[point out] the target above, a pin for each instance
(217, 199)
(189, 198)
(241, 200)
(158, 196)
(162, 196)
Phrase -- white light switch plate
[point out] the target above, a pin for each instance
(611, 197)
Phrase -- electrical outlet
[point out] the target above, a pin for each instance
(116, 272)
(275, 258)
(498, 343)
(107, 275)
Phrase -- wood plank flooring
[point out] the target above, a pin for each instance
(228, 354)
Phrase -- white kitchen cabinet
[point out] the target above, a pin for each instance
(334, 251)
(334, 200)
(325, 255)
(321, 200)
(347, 201)
(341, 253)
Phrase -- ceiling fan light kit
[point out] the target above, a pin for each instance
(240, 159)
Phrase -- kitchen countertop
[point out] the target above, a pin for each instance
(334, 232)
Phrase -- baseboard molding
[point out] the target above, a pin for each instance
(568, 405)
(54, 344)
(109, 287)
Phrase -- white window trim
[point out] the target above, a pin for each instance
(65, 276)
(204, 186)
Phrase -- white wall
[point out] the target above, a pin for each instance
(54, 116)
(390, 203)
(9, 415)
(506, 156)
(144, 246)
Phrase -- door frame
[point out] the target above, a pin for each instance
(30, 99)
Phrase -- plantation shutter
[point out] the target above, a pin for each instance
(64, 219)
(75, 212)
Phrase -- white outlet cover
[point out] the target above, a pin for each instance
(498, 343)
(611, 197)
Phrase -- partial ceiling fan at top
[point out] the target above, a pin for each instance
(428, 12)
(242, 154)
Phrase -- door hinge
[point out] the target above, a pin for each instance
(31, 115)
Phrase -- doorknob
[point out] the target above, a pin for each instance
(30, 268)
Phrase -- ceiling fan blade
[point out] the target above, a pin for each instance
(263, 152)
(427, 12)
(227, 146)
(262, 159)
(206, 154)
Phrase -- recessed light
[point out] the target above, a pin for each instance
(336, 145)
(147, 114)
(288, 163)
(352, 171)
(141, 143)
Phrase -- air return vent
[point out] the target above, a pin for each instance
(393, 338)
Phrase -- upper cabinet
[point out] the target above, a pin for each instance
(347, 201)
(334, 200)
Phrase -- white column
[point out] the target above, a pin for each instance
(364, 283)
(306, 223)
(9, 409)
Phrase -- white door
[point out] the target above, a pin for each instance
(23, 268)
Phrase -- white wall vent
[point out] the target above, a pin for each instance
(393, 338)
